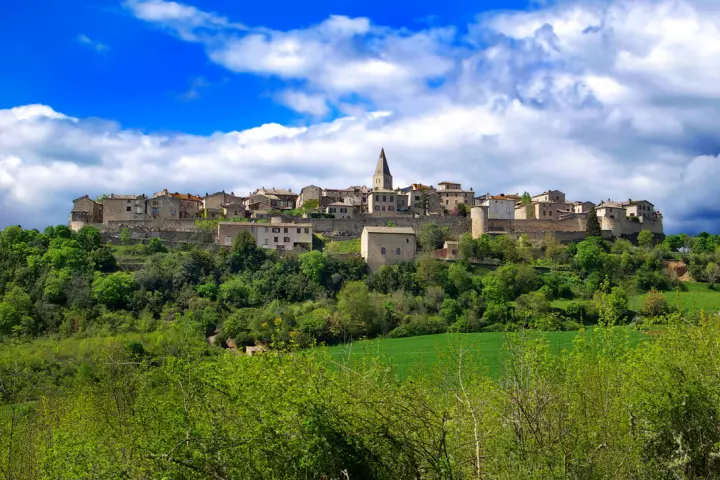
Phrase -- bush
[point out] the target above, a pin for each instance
(655, 304)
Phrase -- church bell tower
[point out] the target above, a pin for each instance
(382, 180)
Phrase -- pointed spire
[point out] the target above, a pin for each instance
(382, 165)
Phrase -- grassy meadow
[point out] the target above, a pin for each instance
(423, 355)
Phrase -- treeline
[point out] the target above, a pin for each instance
(63, 283)
(606, 409)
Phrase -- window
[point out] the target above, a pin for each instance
(384, 198)
(275, 239)
(154, 211)
(397, 251)
(154, 202)
(407, 240)
(275, 230)
(285, 230)
(298, 230)
(447, 202)
(286, 239)
(544, 213)
(252, 229)
(391, 198)
(550, 213)
(266, 241)
(129, 201)
(377, 198)
(228, 240)
(383, 251)
(266, 229)
(173, 211)
(129, 209)
(307, 230)
(383, 208)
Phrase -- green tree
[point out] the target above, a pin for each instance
(593, 225)
(646, 239)
(313, 265)
(466, 246)
(88, 238)
(431, 237)
(15, 312)
(113, 290)
(526, 199)
(125, 236)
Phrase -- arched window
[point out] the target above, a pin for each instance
(382, 250)
(397, 251)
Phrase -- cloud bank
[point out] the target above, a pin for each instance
(601, 100)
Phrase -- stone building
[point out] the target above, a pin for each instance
(501, 206)
(582, 207)
(275, 235)
(382, 179)
(85, 210)
(550, 196)
(234, 209)
(120, 208)
(218, 200)
(381, 246)
(451, 195)
(311, 192)
(190, 205)
(419, 199)
(279, 198)
(638, 208)
(341, 210)
(163, 206)
(382, 203)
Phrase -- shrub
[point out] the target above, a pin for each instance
(655, 304)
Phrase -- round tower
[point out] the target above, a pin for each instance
(479, 220)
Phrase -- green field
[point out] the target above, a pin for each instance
(343, 246)
(697, 297)
(422, 355)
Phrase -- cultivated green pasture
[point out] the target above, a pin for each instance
(697, 297)
(425, 354)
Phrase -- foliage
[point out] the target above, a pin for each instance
(593, 225)
(431, 237)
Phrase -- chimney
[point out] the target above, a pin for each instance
(232, 193)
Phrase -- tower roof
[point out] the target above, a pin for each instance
(382, 165)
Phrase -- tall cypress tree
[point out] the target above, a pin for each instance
(593, 225)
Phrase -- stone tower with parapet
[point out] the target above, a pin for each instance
(479, 220)
(382, 180)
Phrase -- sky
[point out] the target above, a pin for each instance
(600, 99)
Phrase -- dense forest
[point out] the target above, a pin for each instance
(62, 283)
(112, 373)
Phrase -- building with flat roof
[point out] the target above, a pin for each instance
(380, 246)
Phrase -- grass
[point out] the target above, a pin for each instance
(343, 246)
(422, 355)
(697, 297)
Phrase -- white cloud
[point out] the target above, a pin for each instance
(90, 43)
(600, 100)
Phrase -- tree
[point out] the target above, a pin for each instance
(431, 237)
(88, 238)
(125, 236)
(15, 311)
(313, 265)
(526, 199)
(113, 290)
(712, 271)
(466, 246)
(593, 225)
(646, 239)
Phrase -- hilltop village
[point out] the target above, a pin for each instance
(282, 219)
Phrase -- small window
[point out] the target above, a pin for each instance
(285, 230)
(391, 198)
(307, 230)
(544, 213)
(266, 229)
(252, 229)
(275, 239)
(407, 240)
(275, 230)
(286, 239)
(383, 208)
(129, 209)
(129, 201)
(550, 213)
(266, 241)
(397, 251)
(298, 230)
(228, 240)
(383, 251)
(377, 198)
(384, 198)
(173, 211)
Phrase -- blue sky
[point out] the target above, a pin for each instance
(601, 99)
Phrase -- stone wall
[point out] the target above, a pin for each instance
(352, 228)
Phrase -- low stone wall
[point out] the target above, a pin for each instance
(352, 228)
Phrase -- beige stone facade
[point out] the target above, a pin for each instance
(582, 207)
(86, 210)
(119, 208)
(638, 208)
(451, 195)
(164, 206)
(311, 192)
(382, 203)
(500, 206)
(218, 200)
(276, 236)
(280, 199)
(550, 196)
(380, 246)
(341, 210)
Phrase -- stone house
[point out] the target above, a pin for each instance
(235, 209)
(382, 203)
(163, 206)
(217, 201)
(121, 208)
(381, 246)
(311, 192)
(86, 210)
(501, 207)
(190, 205)
(275, 235)
(279, 198)
(638, 208)
(451, 195)
(341, 210)
(452, 249)
(419, 199)
(550, 196)
(582, 207)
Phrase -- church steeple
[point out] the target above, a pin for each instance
(382, 180)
